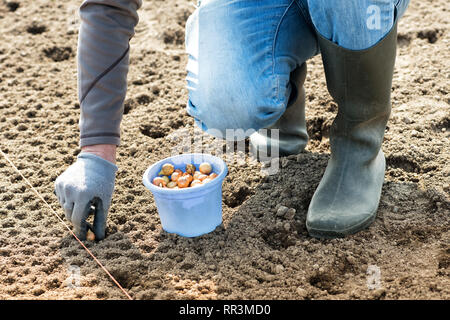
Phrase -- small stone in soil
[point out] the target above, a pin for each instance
(279, 268)
(290, 213)
(282, 211)
(302, 293)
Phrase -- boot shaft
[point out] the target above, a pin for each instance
(360, 81)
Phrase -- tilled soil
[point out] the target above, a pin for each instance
(262, 249)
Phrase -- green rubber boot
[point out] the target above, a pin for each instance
(292, 136)
(347, 198)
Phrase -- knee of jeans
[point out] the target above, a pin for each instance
(232, 111)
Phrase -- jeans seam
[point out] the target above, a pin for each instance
(308, 20)
(302, 10)
(276, 97)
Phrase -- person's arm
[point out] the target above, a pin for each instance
(103, 55)
(105, 30)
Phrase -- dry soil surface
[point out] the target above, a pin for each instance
(260, 251)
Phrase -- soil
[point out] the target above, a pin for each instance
(262, 250)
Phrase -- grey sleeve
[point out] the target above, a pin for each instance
(103, 56)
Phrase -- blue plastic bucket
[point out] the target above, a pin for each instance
(189, 212)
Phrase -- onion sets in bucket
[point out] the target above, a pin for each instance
(187, 189)
(169, 177)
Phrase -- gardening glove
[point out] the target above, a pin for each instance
(87, 183)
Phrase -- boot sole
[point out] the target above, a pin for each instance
(332, 234)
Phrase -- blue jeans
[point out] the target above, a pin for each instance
(241, 53)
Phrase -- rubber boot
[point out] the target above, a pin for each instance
(292, 136)
(347, 198)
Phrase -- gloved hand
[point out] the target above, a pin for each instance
(89, 182)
